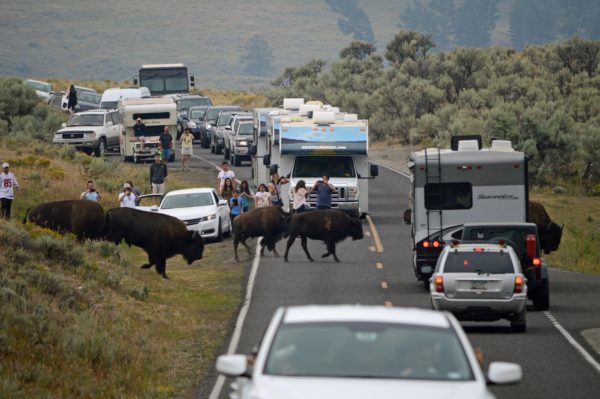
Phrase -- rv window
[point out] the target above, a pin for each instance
(152, 115)
(479, 262)
(317, 166)
(153, 130)
(442, 196)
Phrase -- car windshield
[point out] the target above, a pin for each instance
(212, 114)
(323, 165)
(86, 120)
(224, 119)
(185, 104)
(367, 350)
(246, 129)
(479, 261)
(39, 86)
(197, 114)
(187, 200)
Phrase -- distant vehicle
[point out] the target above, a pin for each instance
(164, 79)
(201, 209)
(184, 102)
(85, 101)
(195, 122)
(43, 90)
(156, 112)
(480, 282)
(240, 141)
(93, 131)
(111, 97)
(225, 134)
(357, 352)
(210, 120)
(261, 142)
(218, 128)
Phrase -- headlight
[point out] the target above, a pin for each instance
(207, 126)
(352, 193)
(91, 134)
(241, 142)
(192, 125)
(209, 217)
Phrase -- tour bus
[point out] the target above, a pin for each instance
(156, 113)
(164, 79)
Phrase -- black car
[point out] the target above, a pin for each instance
(195, 123)
(210, 122)
(184, 103)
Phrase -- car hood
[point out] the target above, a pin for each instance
(79, 129)
(184, 213)
(349, 388)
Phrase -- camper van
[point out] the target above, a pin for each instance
(156, 113)
(464, 184)
(111, 97)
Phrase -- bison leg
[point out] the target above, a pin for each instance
(275, 251)
(161, 267)
(263, 244)
(151, 262)
(304, 242)
(290, 242)
(330, 249)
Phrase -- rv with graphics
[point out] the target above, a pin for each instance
(463, 184)
(260, 173)
(326, 143)
(156, 113)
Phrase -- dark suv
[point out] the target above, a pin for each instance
(195, 123)
(184, 102)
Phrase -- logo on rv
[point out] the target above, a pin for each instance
(498, 197)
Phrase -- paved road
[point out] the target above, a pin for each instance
(552, 366)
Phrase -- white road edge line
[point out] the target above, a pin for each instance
(237, 332)
(586, 355)
(392, 169)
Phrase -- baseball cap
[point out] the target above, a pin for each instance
(5, 165)
(126, 185)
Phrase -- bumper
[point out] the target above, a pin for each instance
(479, 309)
(207, 229)
(80, 145)
(241, 152)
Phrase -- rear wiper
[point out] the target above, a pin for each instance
(480, 272)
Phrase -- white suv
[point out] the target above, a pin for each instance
(480, 282)
(93, 131)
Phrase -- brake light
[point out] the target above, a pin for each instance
(479, 249)
(518, 284)
(530, 245)
(425, 244)
(536, 261)
(436, 244)
(439, 284)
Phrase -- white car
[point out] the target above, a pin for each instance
(201, 209)
(354, 351)
(43, 90)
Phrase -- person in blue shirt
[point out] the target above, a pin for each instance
(90, 193)
(246, 195)
(236, 207)
(324, 189)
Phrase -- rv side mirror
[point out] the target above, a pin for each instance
(135, 80)
(273, 169)
(192, 80)
(374, 170)
(252, 150)
(267, 160)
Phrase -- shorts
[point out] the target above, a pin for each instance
(158, 188)
(187, 151)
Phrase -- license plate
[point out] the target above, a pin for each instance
(479, 285)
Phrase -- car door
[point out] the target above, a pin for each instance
(113, 131)
(222, 210)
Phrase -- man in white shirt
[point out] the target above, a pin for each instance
(127, 198)
(224, 174)
(8, 182)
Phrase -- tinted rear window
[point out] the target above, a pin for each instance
(513, 237)
(478, 262)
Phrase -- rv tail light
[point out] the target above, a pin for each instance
(530, 244)
(436, 244)
(439, 284)
(502, 243)
(536, 261)
(425, 244)
(518, 284)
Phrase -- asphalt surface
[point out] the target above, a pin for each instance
(552, 366)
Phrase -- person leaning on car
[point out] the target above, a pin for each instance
(158, 173)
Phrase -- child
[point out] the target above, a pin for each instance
(235, 206)
(262, 198)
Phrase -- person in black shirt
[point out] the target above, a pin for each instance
(166, 144)
(139, 129)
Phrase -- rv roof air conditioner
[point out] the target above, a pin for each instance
(292, 103)
(502, 145)
(305, 108)
(468, 145)
(323, 117)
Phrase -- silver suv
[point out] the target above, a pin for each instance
(480, 282)
(91, 131)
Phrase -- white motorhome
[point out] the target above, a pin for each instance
(156, 113)
(463, 184)
(111, 97)
(260, 173)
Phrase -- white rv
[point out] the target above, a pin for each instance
(464, 184)
(260, 173)
(110, 97)
(156, 113)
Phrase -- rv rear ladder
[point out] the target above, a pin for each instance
(433, 176)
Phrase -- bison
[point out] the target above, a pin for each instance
(83, 218)
(550, 232)
(161, 236)
(328, 225)
(268, 222)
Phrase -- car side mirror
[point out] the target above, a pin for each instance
(109, 123)
(232, 365)
(222, 202)
(227, 127)
(154, 208)
(267, 160)
(374, 170)
(252, 150)
(501, 373)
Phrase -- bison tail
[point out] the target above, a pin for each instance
(26, 215)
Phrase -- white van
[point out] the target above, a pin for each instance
(111, 97)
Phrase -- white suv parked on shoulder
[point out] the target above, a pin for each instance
(91, 131)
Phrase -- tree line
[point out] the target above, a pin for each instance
(545, 99)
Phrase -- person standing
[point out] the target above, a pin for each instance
(134, 191)
(225, 173)
(72, 99)
(227, 189)
(300, 195)
(187, 148)
(246, 195)
(275, 189)
(90, 192)
(166, 144)
(324, 189)
(8, 184)
(262, 198)
(235, 206)
(158, 174)
(127, 198)
(139, 129)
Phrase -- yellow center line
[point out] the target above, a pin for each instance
(379, 265)
(375, 234)
(384, 285)
(388, 304)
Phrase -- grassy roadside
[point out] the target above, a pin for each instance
(84, 320)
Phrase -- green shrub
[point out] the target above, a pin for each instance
(140, 293)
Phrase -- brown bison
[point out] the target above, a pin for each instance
(267, 222)
(83, 218)
(550, 232)
(328, 225)
(161, 236)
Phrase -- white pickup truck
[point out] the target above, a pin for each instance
(91, 131)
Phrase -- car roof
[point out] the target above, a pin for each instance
(186, 96)
(190, 191)
(501, 224)
(225, 107)
(95, 111)
(360, 313)
(470, 246)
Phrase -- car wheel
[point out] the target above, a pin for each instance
(212, 149)
(518, 324)
(235, 160)
(218, 150)
(219, 232)
(101, 149)
(541, 296)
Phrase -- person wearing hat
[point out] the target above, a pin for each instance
(127, 198)
(8, 184)
(134, 191)
(139, 129)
